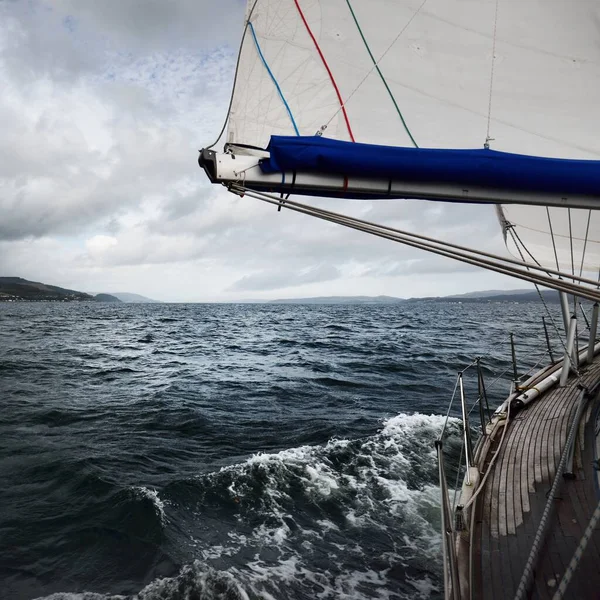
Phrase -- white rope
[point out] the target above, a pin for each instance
(589, 531)
(541, 531)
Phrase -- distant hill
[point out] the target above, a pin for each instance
(519, 295)
(130, 298)
(487, 293)
(550, 297)
(106, 298)
(17, 288)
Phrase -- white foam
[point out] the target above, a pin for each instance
(80, 596)
(152, 495)
(424, 587)
(327, 525)
(345, 586)
(377, 481)
(381, 483)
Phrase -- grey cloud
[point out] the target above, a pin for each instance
(80, 146)
(234, 225)
(284, 278)
(58, 194)
(68, 38)
(155, 23)
(417, 265)
(35, 41)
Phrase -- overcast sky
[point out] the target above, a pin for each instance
(104, 106)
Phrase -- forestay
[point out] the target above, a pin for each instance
(415, 72)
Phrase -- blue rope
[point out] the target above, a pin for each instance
(264, 62)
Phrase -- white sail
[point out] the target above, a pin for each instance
(308, 66)
(567, 240)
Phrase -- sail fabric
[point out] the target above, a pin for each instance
(318, 60)
(308, 67)
(568, 240)
(481, 167)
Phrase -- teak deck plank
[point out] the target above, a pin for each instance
(516, 493)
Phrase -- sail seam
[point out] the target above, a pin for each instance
(560, 235)
(265, 64)
(387, 87)
(323, 127)
(324, 61)
(488, 139)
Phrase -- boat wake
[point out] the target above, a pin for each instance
(348, 519)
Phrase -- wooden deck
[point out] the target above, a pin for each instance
(515, 496)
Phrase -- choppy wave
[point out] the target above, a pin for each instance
(151, 495)
(347, 519)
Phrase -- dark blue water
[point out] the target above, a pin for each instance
(233, 451)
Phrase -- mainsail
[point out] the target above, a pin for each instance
(446, 76)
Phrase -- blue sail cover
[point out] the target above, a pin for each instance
(485, 168)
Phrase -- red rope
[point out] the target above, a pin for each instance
(337, 91)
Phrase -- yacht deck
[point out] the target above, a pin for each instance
(513, 501)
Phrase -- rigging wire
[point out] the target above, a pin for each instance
(385, 83)
(488, 139)
(587, 231)
(448, 412)
(514, 234)
(552, 237)
(571, 242)
(237, 68)
(469, 256)
(562, 342)
(323, 127)
(572, 260)
(461, 253)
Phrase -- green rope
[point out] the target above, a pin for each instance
(387, 87)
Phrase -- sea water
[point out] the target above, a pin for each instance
(198, 451)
